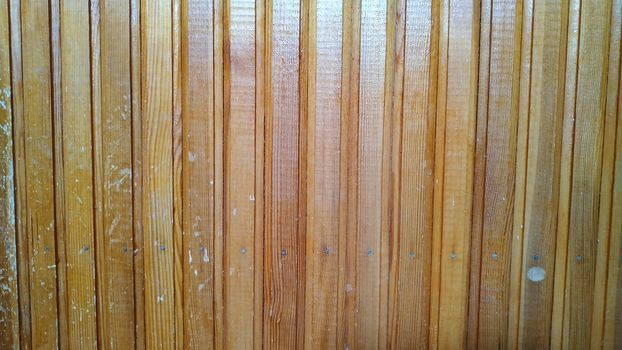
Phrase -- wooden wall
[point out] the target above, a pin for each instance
(316, 174)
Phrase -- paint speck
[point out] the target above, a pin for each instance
(251, 198)
(205, 256)
(235, 211)
(349, 288)
(191, 157)
(160, 298)
(536, 274)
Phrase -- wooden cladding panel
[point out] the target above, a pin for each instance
(310, 174)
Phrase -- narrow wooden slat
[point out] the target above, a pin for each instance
(240, 167)
(416, 164)
(157, 167)
(586, 172)
(542, 109)
(458, 112)
(35, 139)
(283, 253)
(9, 309)
(607, 178)
(324, 98)
(612, 333)
(113, 169)
(500, 111)
(77, 174)
(137, 216)
(19, 149)
(198, 173)
(563, 214)
(348, 173)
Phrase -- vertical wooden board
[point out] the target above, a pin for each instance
(608, 173)
(39, 222)
(113, 164)
(501, 110)
(544, 110)
(137, 171)
(323, 169)
(586, 171)
(9, 313)
(240, 176)
(283, 253)
(157, 167)
(612, 333)
(459, 94)
(414, 235)
(198, 173)
(77, 169)
(370, 151)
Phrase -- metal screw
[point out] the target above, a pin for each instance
(494, 256)
(536, 257)
(327, 251)
(163, 247)
(453, 256)
(411, 255)
(369, 252)
(283, 252)
(579, 258)
(243, 250)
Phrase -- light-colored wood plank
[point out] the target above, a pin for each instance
(198, 173)
(38, 182)
(499, 110)
(77, 174)
(543, 109)
(586, 172)
(324, 99)
(240, 167)
(458, 112)
(413, 236)
(283, 254)
(157, 176)
(112, 125)
(9, 308)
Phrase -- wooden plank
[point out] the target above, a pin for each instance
(9, 310)
(348, 172)
(77, 174)
(112, 99)
(607, 178)
(499, 110)
(157, 167)
(612, 333)
(563, 214)
(409, 323)
(284, 253)
(198, 174)
(19, 149)
(367, 255)
(137, 179)
(239, 175)
(458, 106)
(324, 99)
(586, 172)
(37, 183)
(541, 192)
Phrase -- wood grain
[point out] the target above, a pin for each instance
(9, 310)
(157, 176)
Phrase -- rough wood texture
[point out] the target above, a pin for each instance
(250, 174)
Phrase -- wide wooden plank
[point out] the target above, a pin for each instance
(457, 108)
(543, 109)
(198, 173)
(498, 110)
(157, 176)
(324, 99)
(112, 127)
(9, 308)
(35, 138)
(240, 174)
(77, 174)
(415, 162)
(586, 172)
(284, 254)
